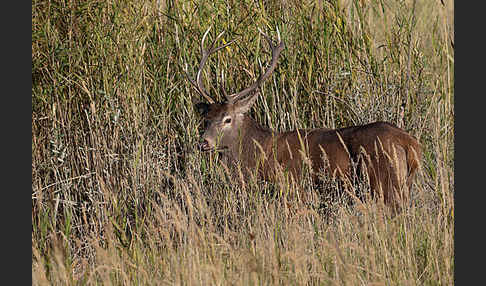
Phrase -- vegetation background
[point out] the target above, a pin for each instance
(121, 195)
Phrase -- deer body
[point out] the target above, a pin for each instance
(389, 154)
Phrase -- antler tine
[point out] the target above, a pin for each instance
(276, 49)
(213, 50)
(195, 85)
(268, 39)
(223, 90)
(200, 87)
(205, 55)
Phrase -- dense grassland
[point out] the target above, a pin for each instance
(121, 195)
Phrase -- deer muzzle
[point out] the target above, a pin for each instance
(204, 146)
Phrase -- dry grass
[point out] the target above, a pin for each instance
(120, 194)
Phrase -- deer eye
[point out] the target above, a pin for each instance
(227, 120)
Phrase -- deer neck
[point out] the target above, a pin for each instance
(252, 140)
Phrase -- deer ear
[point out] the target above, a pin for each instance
(202, 108)
(243, 105)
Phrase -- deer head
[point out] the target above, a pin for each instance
(223, 121)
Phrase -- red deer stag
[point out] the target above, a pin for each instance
(391, 156)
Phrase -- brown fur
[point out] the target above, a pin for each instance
(391, 155)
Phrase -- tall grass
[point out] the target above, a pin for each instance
(121, 195)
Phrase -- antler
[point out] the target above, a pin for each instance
(276, 49)
(205, 54)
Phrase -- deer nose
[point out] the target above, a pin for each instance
(204, 145)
